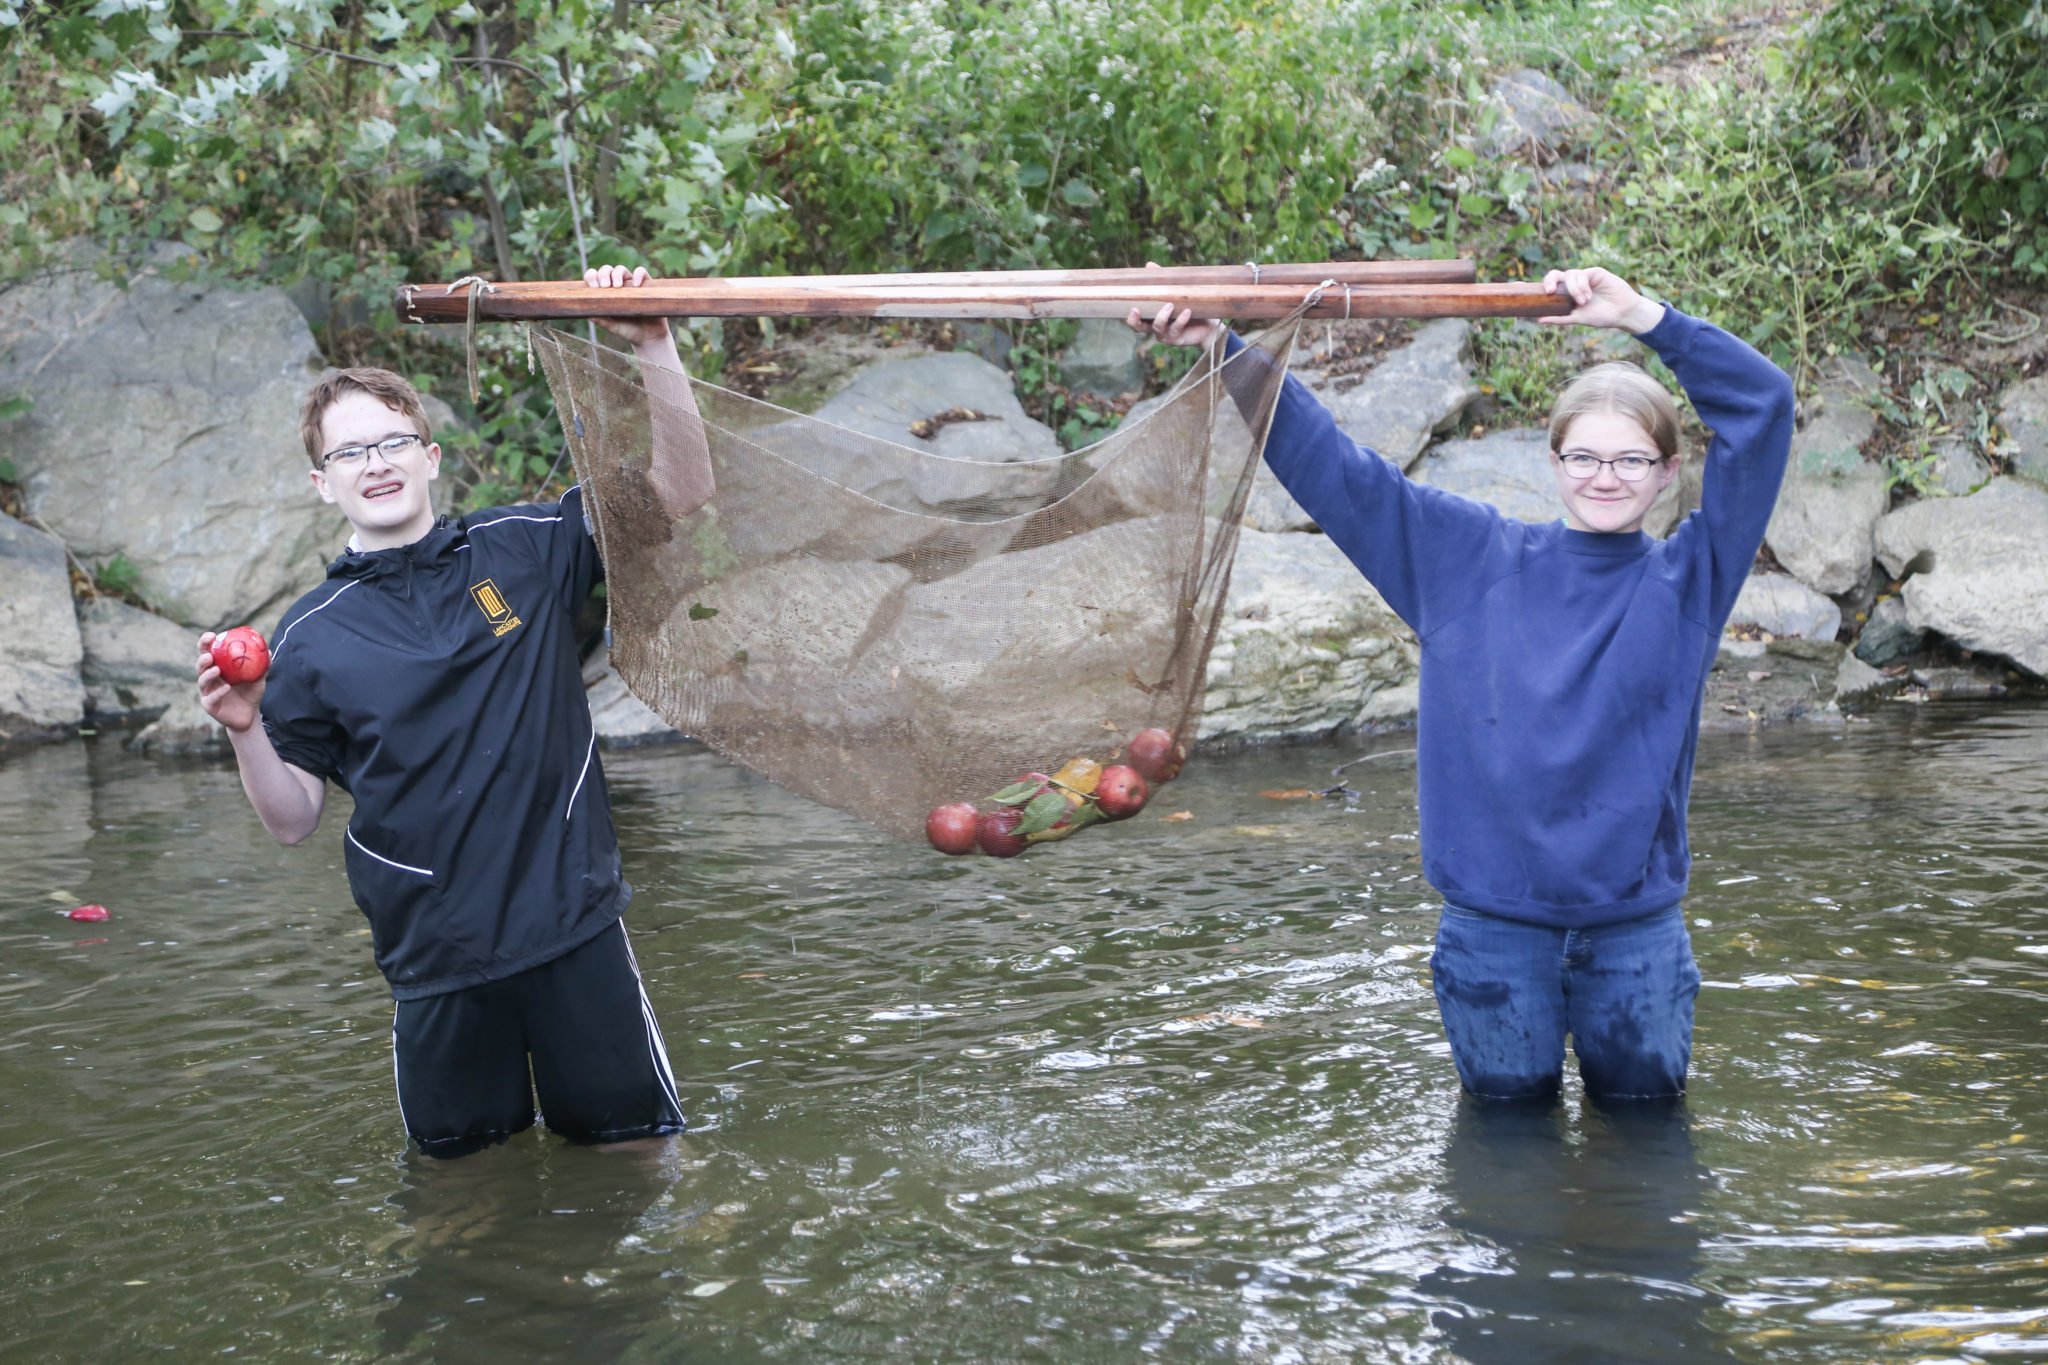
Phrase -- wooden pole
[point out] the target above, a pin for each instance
(879, 296)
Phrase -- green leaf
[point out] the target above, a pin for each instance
(1031, 175)
(1043, 813)
(204, 219)
(15, 407)
(1014, 793)
(1080, 193)
(1477, 205)
(700, 612)
(1460, 158)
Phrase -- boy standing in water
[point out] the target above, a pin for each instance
(434, 676)
(1563, 667)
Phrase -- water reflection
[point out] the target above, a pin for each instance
(1176, 1092)
(516, 1252)
(1584, 1239)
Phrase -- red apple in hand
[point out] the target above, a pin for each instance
(1121, 792)
(240, 655)
(998, 835)
(954, 828)
(1154, 754)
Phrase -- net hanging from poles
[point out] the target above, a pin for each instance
(884, 629)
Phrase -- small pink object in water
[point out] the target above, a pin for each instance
(91, 914)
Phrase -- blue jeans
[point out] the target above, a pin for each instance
(1510, 992)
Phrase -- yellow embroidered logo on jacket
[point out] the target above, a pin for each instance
(495, 608)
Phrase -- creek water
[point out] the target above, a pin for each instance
(1175, 1090)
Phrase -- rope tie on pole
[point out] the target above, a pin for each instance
(478, 287)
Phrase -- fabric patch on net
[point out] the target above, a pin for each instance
(884, 629)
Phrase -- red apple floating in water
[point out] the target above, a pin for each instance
(90, 914)
(1154, 754)
(998, 835)
(954, 828)
(240, 655)
(1121, 792)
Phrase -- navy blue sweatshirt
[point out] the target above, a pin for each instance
(1562, 670)
(439, 685)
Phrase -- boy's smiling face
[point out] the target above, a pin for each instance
(1607, 502)
(384, 494)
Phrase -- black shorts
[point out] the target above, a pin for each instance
(578, 1030)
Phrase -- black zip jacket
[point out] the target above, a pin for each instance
(438, 684)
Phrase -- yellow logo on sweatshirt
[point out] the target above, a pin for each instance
(495, 608)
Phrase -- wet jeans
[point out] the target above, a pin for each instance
(1510, 992)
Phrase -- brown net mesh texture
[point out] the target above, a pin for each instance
(886, 630)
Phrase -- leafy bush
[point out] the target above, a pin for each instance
(1955, 93)
(359, 143)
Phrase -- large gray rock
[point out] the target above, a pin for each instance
(1102, 360)
(1414, 394)
(885, 399)
(622, 720)
(1979, 566)
(1784, 607)
(1307, 647)
(1958, 470)
(1832, 498)
(40, 694)
(184, 730)
(808, 635)
(165, 429)
(860, 439)
(1537, 115)
(1858, 684)
(1508, 469)
(137, 664)
(1138, 469)
(2023, 412)
(1887, 635)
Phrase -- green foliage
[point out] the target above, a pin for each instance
(1952, 92)
(1943, 406)
(1755, 198)
(969, 134)
(1035, 373)
(1870, 161)
(119, 577)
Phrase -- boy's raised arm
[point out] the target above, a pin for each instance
(288, 800)
(681, 463)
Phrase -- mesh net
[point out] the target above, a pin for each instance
(884, 629)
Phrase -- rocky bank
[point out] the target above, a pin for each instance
(162, 435)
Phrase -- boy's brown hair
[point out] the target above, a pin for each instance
(387, 388)
(1620, 388)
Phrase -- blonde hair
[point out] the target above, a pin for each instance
(387, 388)
(1625, 390)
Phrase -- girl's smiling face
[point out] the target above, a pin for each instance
(1606, 502)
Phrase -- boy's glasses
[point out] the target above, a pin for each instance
(352, 457)
(1627, 468)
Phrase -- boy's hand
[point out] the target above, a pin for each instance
(235, 705)
(633, 331)
(1174, 331)
(1601, 298)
